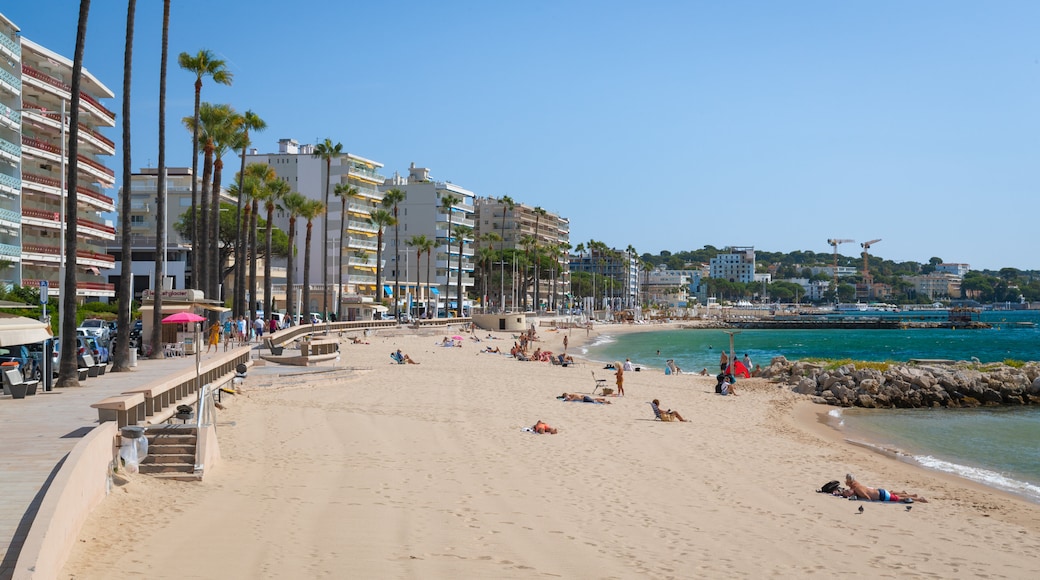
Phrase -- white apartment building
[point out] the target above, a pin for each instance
(422, 214)
(736, 264)
(144, 187)
(33, 158)
(937, 284)
(951, 268)
(515, 224)
(306, 174)
(843, 271)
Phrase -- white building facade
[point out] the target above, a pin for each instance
(736, 264)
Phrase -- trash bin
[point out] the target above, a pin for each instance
(133, 357)
(134, 447)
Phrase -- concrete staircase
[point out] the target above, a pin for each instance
(171, 452)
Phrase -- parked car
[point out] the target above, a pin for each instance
(21, 355)
(97, 328)
(94, 346)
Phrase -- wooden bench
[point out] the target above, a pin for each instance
(125, 409)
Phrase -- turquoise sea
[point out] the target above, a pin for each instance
(996, 447)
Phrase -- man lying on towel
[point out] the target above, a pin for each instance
(859, 491)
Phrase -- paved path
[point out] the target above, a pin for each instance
(36, 433)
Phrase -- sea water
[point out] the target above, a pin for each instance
(999, 447)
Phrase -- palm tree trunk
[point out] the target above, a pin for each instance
(160, 202)
(429, 294)
(268, 283)
(324, 247)
(238, 300)
(201, 243)
(397, 266)
(339, 270)
(253, 219)
(121, 349)
(67, 373)
(306, 306)
(289, 302)
(196, 266)
(214, 233)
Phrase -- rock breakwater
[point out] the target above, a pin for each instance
(958, 384)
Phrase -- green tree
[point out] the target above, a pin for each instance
(448, 202)
(294, 204)
(203, 64)
(246, 123)
(312, 209)
(391, 200)
(326, 151)
(380, 218)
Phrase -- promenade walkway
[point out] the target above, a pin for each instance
(36, 433)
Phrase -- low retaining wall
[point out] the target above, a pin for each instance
(79, 486)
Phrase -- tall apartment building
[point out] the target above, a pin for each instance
(953, 268)
(10, 153)
(515, 225)
(144, 187)
(736, 264)
(306, 174)
(422, 213)
(32, 191)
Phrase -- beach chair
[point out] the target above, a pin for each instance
(399, 359)
(661, 415)
(600, 383)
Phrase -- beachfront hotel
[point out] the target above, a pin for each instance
(735, 264)
(144, 188)
(35, 101)
(356, 283)
(422, 214)
(515, 224)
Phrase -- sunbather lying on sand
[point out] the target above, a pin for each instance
(860, 491)
(582, 398)
(541, 427)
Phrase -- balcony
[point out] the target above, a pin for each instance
(64, 91)
(361, 280)
(51, 186)
(365, 173)
(10, 46)
(10, 184)
(10, 251)
(10, 217)
(11, 83)
(359, 208)
(10, 117)
(47, 151)
(41, 253)
(82, 288)
(52, 219)
(361, 226)
(40, 116)
(10, 151)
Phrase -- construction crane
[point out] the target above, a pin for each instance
(835, 242)
(866, 264)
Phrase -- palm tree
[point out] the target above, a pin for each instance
(225, 136)
(380, 218)
(327, 151)
(448, 202)
(312, 209)
(209, 120)
(276, 190)
(487, 253)
(422, 245)
(345, 192)
(68, 375)
(203, 64)
(462, 232)
(538, 214)
(293, 203)
(528, 243)
(507, 203)
(248, 121)
(121, 349)
(160, 202)
(259, 178)
(391, 199)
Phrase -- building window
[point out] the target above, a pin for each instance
(137, 220)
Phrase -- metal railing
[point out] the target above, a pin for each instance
(11, 148)
(10, 181)
(11, 45)
(10, 79)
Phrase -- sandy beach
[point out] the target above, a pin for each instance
(370, 469)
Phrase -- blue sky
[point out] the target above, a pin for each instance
(664, 125)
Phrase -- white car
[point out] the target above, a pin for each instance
(97, 328)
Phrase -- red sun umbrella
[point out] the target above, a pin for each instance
(183, 318)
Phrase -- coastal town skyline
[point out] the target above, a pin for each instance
(670, 127)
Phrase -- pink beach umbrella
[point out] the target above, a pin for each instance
(183, 318)
(456, 337)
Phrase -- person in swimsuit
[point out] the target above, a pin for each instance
(860, 491)
(657, 410)
(582, 398)
(542, 428)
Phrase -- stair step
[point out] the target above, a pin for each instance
(169, 458)
(170, 449)
(176, 439)
(167, 467)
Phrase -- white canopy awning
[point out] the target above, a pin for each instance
(15, 330)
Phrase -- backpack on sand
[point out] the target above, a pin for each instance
(830, 486)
